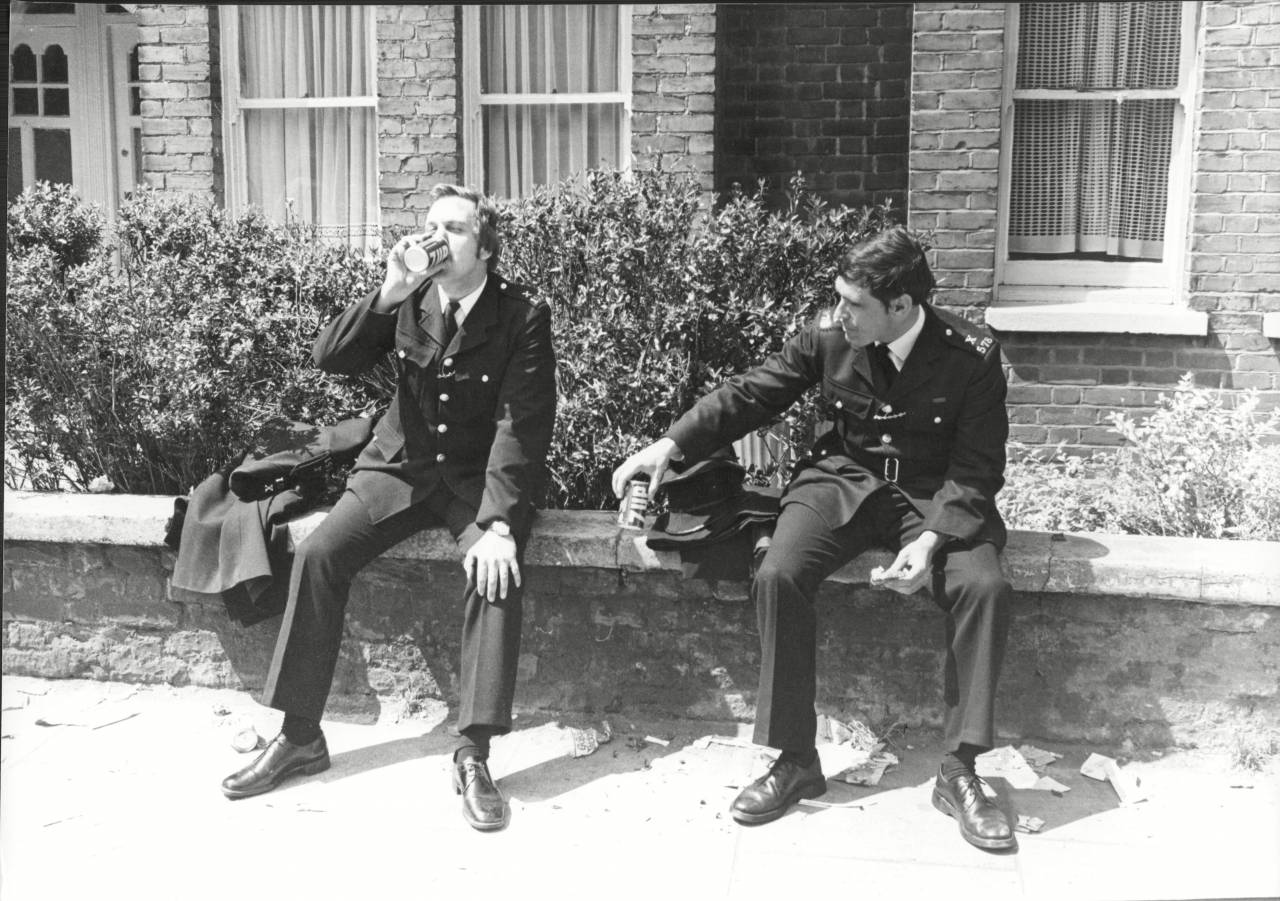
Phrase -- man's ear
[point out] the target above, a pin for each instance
(900, 304)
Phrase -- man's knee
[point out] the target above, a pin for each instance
(324, 550)
(985, 585)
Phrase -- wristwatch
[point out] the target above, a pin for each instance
(498, 527)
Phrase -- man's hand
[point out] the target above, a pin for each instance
(491, 565)
(399, 281)
(653, 460)
(911, 568)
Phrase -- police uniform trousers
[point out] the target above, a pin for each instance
(966, 583)
(324, 565)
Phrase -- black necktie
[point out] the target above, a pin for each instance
(450, 322)
(886, 370)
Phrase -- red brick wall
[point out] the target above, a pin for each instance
(181, 136)
(1065, 385)
(815, 87)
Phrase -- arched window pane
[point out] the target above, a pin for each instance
(23, 62)
(55, 65)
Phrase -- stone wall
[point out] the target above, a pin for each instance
(1156, 641)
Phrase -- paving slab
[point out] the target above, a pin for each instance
(112, 789)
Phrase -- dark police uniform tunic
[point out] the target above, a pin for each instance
(464, 443)
(927, 453)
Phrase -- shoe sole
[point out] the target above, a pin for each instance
(306, 769)
(944, 805)
(810, 791)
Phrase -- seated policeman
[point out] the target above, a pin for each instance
(912, 463)
(464, 445)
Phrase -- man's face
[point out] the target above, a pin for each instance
(455, 219)
(865, 319)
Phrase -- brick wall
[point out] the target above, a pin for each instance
(418, 108)
(1064, 386)
(957, 69)
(673, 85)
(1235, 205)
(820, 88)
(181, 135)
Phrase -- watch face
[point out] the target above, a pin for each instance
(501, 528)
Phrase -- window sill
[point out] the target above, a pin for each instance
(1271, 325)
(1101, 316)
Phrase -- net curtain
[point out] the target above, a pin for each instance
(541, 50)
(1091, 176)
(322, 161)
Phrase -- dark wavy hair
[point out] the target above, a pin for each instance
(486, 215)
(890, 264)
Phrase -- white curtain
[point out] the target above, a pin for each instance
(542, 50)
(1091, 176)
(321, 162)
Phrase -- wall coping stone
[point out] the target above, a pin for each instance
(1197, 570)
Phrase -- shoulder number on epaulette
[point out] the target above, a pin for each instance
(982, 344)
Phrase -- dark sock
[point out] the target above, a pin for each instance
(961, 760)
(300, 730)
(804, 758)
(475, 743)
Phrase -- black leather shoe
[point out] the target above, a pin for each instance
(982, 823)
(483, 806)
(277, 763)
(786, 783)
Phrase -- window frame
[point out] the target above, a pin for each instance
(474, 100)
(234, 153)
(93, 168)
(1126, 283)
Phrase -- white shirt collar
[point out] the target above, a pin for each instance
(464, 304)
(900, 347)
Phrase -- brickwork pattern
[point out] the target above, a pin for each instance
(1235, 205)
(815, 87)
(673, 85)
(418, 108)
(181, 134)
(957, 67)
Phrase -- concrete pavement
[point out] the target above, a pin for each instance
(118, 796)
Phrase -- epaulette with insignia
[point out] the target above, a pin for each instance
(522, 292)
(963, 333)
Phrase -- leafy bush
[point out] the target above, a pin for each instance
(153, 356)
(51, 217)
(657, 299)
(150, 352)
(1195, 467)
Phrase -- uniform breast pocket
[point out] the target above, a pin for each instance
(933, 415)
(839, 400)
(476, 391)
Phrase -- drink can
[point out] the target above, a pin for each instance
(426, 254)
(634, 503)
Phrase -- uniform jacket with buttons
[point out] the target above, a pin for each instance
(476, 415)
(939, 432)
